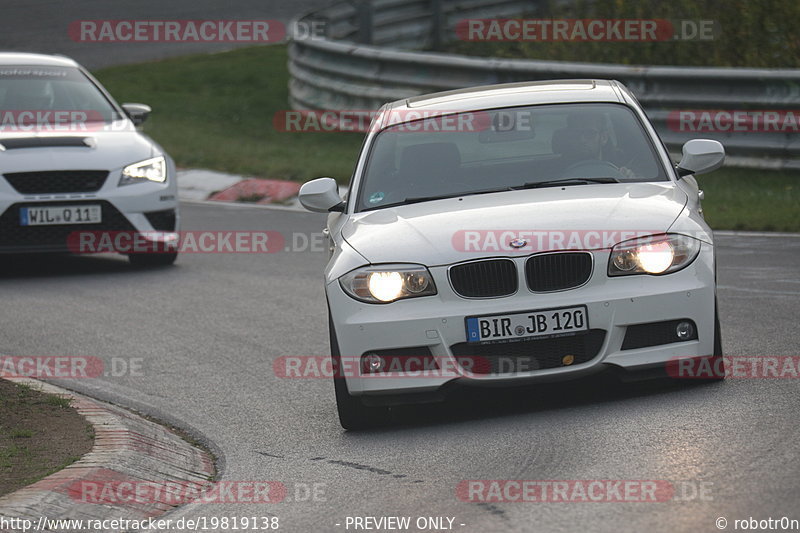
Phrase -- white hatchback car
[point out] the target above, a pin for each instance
(512, 233)
(73, 164)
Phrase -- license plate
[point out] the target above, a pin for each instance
(519, 326)
(62, 214)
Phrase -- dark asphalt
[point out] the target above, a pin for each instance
(208, 330)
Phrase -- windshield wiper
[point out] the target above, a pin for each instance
(418, 199)
(566, 181)
(532, 185)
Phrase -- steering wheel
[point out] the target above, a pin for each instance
(591, 168)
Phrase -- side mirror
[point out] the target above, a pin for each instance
(701, 156)
(138, 113)
(321, 195)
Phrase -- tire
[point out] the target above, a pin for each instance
(717, 334)
(152, 260)
(353, 414)
(716, 357)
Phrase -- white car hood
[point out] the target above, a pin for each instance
(110, 150)
(431, 233)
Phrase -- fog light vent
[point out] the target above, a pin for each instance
(373, 363)
(403, 360)
(684, 330)
(658, 333)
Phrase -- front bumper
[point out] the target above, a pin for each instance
(136, 208)
(438, 323)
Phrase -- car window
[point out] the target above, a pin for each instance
(505, 148)
(41, 89)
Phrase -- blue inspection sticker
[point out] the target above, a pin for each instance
(376, 197)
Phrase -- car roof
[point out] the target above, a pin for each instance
(34, 60)
(506, 95)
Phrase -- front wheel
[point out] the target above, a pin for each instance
(716, 358)
(353, 414)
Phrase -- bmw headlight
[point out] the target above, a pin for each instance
(154, 169)
(387, 283)
(655, 254)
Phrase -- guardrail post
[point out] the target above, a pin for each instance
(366, 13)
(319, 80)
(438, 23)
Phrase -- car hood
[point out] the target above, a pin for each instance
(447, 231)
(102, 150)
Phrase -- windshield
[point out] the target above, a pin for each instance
(506, 149)
(40, 96)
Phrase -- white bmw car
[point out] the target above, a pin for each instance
(73, 165)
(506, 234)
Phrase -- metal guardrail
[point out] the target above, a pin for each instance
(340, 71)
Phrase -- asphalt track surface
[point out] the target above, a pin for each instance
(208, 330)
(42, 25)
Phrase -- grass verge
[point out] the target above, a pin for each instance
(39, 434)
(754, 200)
(216, 111)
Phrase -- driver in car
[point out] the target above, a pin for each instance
(587, 138)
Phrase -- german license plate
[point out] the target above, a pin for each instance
(518, 326)
(62, 214)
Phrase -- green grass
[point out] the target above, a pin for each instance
(7, 453)
(20, 433)
(39, 435)
(24, 390)
(215, 111)
(744, 199)
(58, 401)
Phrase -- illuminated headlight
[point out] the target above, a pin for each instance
(154, 169)
(387, 283)
(656, 254)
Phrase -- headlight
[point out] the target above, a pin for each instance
(387, 283)
(656, 254)
(154, 169)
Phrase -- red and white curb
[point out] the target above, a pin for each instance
(207, 185)
(126, 446)
(197, 185)
(200, 184)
